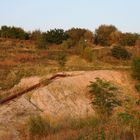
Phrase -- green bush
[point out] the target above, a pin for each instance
(56, 36)
(13, 32)
(104, 98)
(136, 68)
(120, 53)
(38, 126)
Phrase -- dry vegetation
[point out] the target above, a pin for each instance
(22, 58)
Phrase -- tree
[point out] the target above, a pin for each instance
(120, 53)
(76, 34)
(35, 35)
(104, 98)
(128, 39)
(103, 33)
(56, 36)
(39, 38)
(4, 32)
(41, 41)
(13, 32)
(115, 37)
(88, 36)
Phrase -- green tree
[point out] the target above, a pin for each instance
(56, 36)
(104, 98)
(13, 32)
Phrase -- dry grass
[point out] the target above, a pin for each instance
(22, 58)
(7, 63)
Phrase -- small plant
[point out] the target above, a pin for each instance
(125, 117)
(38, 126)
(62, 59)
(120, 53)
(104, 98)
(131, 120)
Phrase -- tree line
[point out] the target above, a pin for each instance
(104, 35)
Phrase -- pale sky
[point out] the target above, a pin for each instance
(89, 14)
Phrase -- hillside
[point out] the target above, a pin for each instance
(66, 97)
(69, 85)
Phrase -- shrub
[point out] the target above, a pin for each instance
(56, 36)
(136, 68)
(130, 119)
(125, 117)
(38, 126)
(120, 53)
(62, 59)
(69, 43)
(128, 39)
(104, 97)
(88, 54)
(41, 41)
(13, 32)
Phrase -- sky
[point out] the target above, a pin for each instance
(89, 14)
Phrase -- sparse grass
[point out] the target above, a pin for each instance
(110, 130)
(44, 129)
(17, 63)
(38, 126)
(9, 78)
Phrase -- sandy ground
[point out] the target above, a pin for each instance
(63, 98)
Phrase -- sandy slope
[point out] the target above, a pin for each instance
(64, 97)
